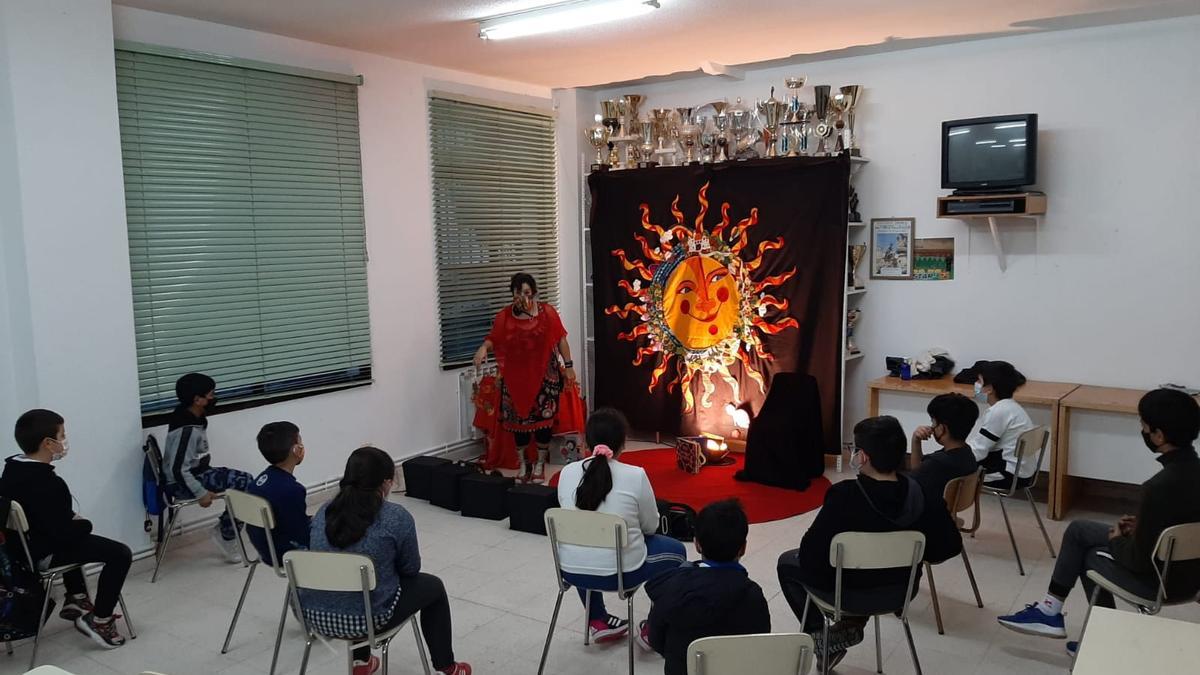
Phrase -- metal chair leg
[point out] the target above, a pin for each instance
(37, 638)
(971, 576)
(1041, 526)
(632, 627)
(1011, 538)
(383, 652)
(937, 608)
(287, 602)
(349, 658)
(416, 625)
(824, 643)
(128, 621)
(804, 615)
(237, 612)
(550, 633)
(912, 648)
(878, 647)
(1091, 603)
(162, 545)
(304, 660)
(587, 617)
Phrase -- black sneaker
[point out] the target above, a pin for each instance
(75, 606)
(102, 633)
(835, 657)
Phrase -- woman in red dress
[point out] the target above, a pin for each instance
(528, 340)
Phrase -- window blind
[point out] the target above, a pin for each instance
(495, 214)
(247, 244)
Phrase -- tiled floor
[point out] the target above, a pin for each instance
(502, 594)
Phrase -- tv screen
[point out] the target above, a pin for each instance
(988, 153)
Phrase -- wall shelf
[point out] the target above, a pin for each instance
(853, 357)
(993, 207)
(855, 291)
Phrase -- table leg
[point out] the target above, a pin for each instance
(1062, 452)
(872, 402)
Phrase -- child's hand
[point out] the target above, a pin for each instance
(923, 433)
(207, 500)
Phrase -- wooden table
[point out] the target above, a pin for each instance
(1128, 642)
(1086, 397)
(1049, 394)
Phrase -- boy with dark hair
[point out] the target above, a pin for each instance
(951, 418)
(282, 447)
(1170, 424)
(995, 444)
(186, 463)
(879, 500)
(58, 535)
(712, 597)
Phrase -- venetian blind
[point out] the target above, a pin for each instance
(495, 213)
(247, 242)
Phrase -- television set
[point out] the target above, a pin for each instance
(989, 154)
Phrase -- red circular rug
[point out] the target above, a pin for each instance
(714, 483)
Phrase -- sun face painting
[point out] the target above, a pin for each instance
(701, 300)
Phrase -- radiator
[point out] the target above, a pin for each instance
(468, 380)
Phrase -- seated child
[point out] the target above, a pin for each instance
(186, 462)
(281, 445)
(712, 597)
(951, 418)
(995, 444)
(58, 535)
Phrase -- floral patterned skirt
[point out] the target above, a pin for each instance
(545, 405)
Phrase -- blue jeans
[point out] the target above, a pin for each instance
(663, 554)
(218, 479)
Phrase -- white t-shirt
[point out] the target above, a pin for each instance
(631, 497)
(1002, 425)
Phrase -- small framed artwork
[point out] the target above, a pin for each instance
(892, 248)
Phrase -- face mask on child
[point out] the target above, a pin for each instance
(979, 395)
(66, 447)
(856, 461)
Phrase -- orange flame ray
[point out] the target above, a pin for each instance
(770, 245)
(719, 230)
(642, 353)
(676, 212)
(638, 331)
(742, 230)
(628, 288)
(659, 371)
(623, 311)
(703, 199)
(750, 370)
(776, 280)
(649, 226)
(633, 265)
(773, 302)
(709, 390)
(775, 327)
(648, 252)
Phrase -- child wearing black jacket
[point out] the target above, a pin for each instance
(712, 597)
(57, 533)
(879, 500)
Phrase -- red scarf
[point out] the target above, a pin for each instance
(523, 348)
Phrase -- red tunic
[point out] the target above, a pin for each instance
(530, 379)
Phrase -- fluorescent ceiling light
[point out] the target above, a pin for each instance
(987, 142)
(1018, 145)
(1000, 146)
(959, 132)
(1017, 140)
(1010, 125)
(562, 16)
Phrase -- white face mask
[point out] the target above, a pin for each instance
(979, 395)
(856, 463)
(66, 447)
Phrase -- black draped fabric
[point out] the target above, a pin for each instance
(785, 447)
(800, 202)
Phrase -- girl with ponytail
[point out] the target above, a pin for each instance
(604, 484)
(360, 519)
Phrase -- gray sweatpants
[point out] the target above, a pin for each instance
(1085, 547)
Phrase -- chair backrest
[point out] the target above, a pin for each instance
(16, 518)
(1028, 443)
(963, 492)
(765, 654)
(330, 571)
(587, 528)
(875, 550)
(1178, 543)
(250, 509)
(154, 457)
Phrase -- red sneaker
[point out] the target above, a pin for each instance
(459, 668)
(608, 629)
(367, 668)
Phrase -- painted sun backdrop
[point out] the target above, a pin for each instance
(701, 301)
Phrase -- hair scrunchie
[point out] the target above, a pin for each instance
(602, 451)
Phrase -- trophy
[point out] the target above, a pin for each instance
(689, 133)
(663, 132)
(853, 216)
(794, 117)
(853, 95)
(856, 252)
(612, 120)
(597, 135)
(772, 111)
(648, 136)
(633, 104)
(739, 127)
(823, 129)
(841, 106)
(630, 128)
(852, 318)
(721, 122)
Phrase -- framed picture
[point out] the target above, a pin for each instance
(892, 248)
(933, 259)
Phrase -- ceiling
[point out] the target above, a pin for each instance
(674, 39)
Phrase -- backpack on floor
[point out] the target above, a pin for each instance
(677, 521)
(21, 596)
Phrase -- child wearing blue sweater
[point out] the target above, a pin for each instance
(281, 445)
(361, 520)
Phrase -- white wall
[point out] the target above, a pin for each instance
(1104, 292)
(76, 249)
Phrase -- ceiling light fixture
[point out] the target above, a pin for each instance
(562, 16)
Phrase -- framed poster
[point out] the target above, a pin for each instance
(933, 259)
(891, 248)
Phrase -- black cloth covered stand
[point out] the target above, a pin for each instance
(785, 444)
